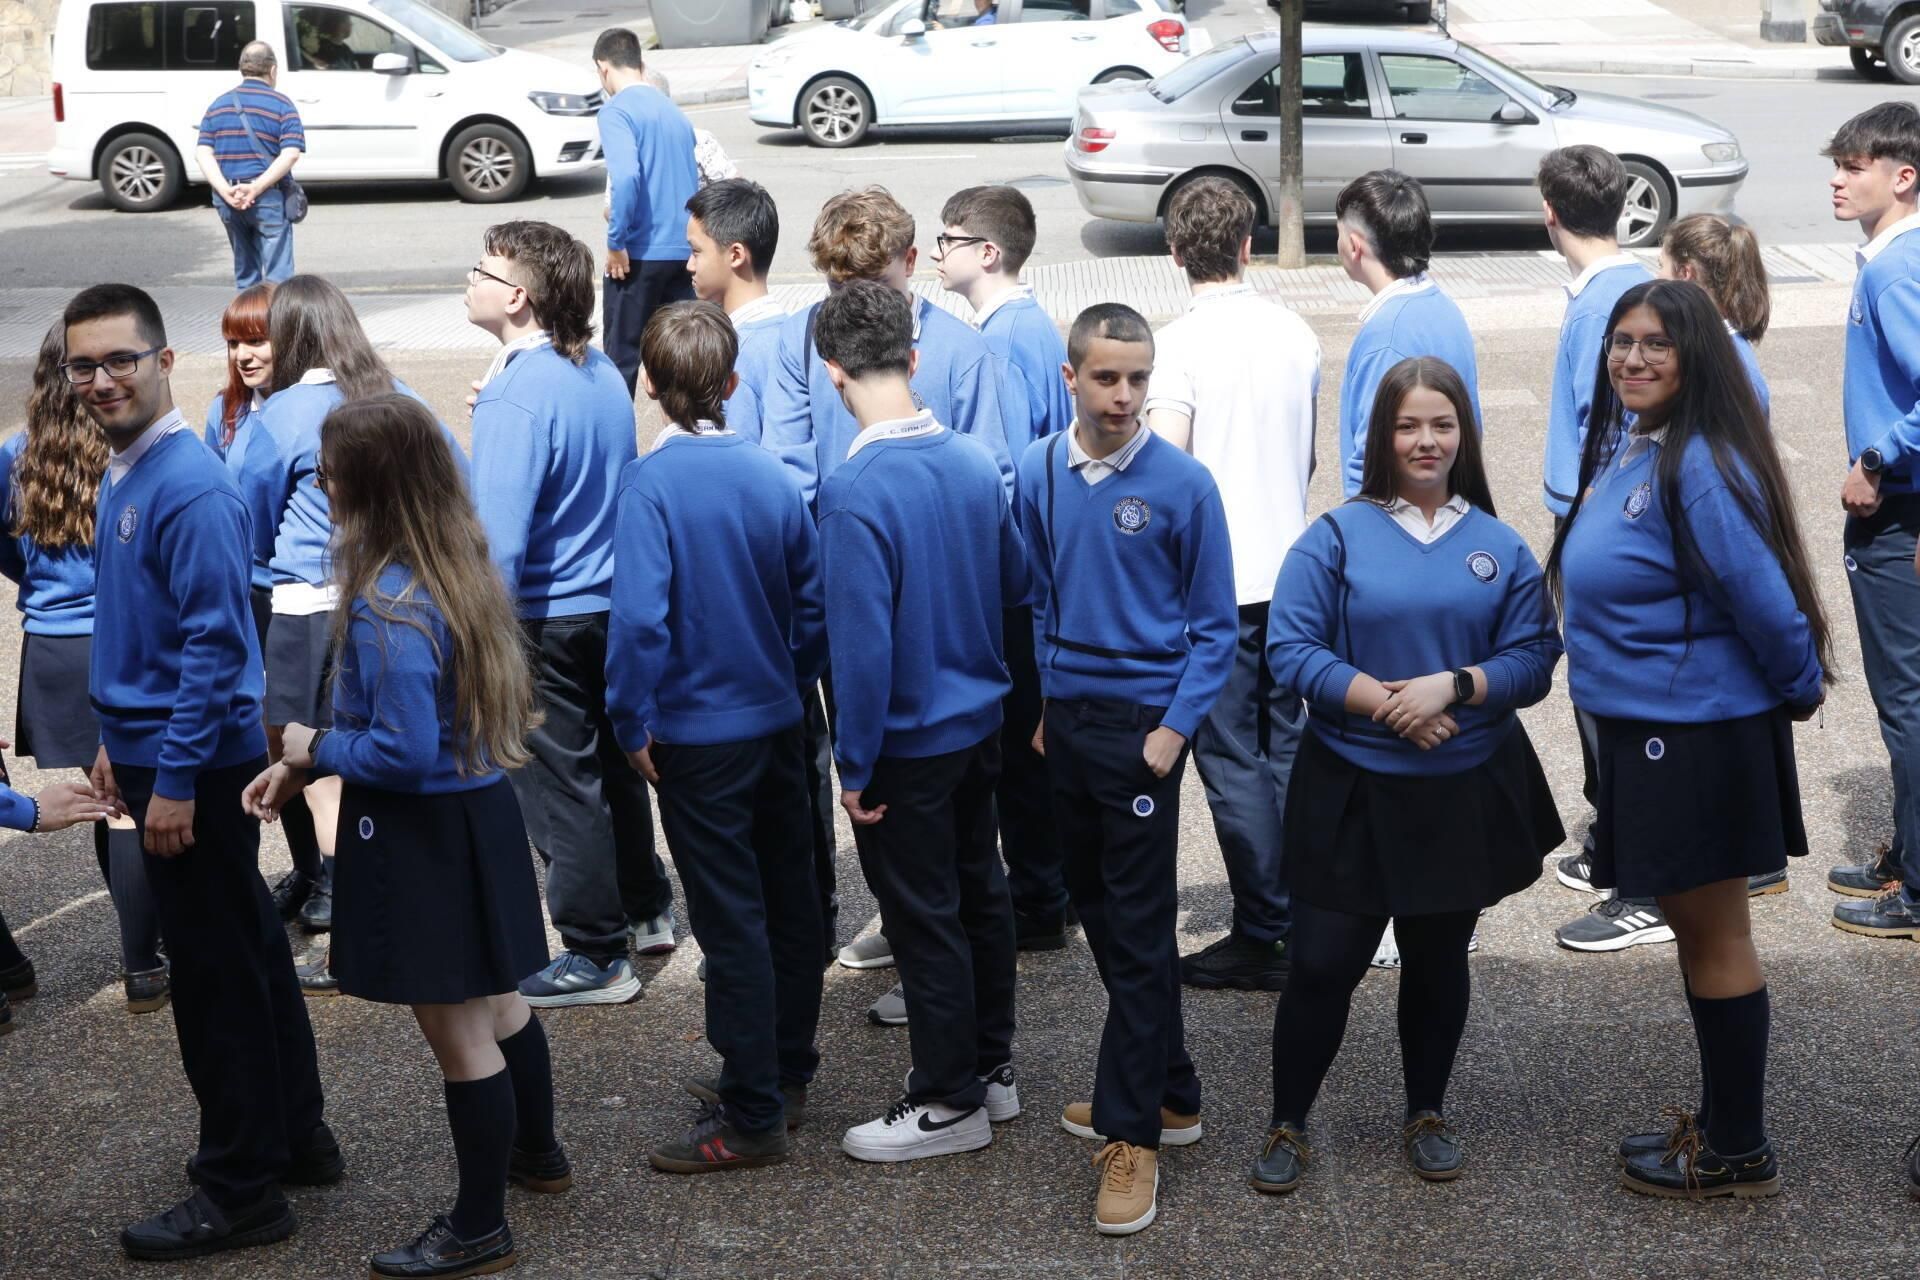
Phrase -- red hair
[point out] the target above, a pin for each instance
(245, 320)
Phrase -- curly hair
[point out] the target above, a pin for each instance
(858, 235)
(56, 478)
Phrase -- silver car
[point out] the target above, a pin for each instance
(1469, 128)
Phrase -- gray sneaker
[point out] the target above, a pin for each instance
(870, 952)
(890, 1010)
(652, 937)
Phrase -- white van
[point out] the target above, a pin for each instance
(386, 89)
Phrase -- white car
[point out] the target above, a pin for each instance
(386, 89)
(917, 62)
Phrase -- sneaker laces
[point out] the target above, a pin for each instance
(706, 1121)
(900, 1110)
(1286, 1135)
(1117, 1163)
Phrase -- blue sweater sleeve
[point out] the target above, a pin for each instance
(204, 550)
(1753, 588)
(1526, 641)
(1016, 574)
(860, 593)
(808, 638)
(12, 562)
(510, 455)
(1213, 616)
(1034, 534)
(786, 413)
(267, 476)
(621, 146)
(215, 428)
(978, 389)
(1897, 311)
(744, 412)
(1357, 389)
(400, 672)
(1303, 623)
(17, 812)
(638, 642)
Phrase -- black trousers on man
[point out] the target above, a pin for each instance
(1024, 797)
(732, 814)
(627, 305)
(245, 1042)
(932, 864)
(1120, 828)
(586, 806)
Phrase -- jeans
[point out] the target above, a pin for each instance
(1886, 606)
(261, 237)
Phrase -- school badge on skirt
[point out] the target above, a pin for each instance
(1131, 515)
(128, 522)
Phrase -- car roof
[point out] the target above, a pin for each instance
(1318, 36)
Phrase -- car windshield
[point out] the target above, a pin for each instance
(1540, 93)
(888, 18)
(1196, 71)
(444, 34)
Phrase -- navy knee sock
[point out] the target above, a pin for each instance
(296, 819)
(480, 1113)
(1705, 1109)
(1734, 1034)
(531, 1068)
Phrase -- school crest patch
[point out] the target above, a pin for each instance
(1656, 749)
(366, 827)
(1483, 566)
(1143, 806)
(128, 522)
(1131, 515)
(1639, 500)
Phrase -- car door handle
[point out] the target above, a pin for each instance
(984, 44)
(1083, 39)
(1253, 135)
(433, 93)
(1414, 139)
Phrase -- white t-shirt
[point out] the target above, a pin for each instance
(1246, 371)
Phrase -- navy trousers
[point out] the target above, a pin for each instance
(627, 305)
(1024, 797)
(1886, 606)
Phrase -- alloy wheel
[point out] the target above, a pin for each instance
(834, 112)
(487, 164)
(139, 173)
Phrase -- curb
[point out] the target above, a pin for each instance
(701, 97)
(1708, 68)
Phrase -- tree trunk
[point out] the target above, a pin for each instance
(1288, 218)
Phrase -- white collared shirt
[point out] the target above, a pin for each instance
(1093, 470)
(1885, 236)
(1639, 442)
(1000, 300)
(1405, 284)
(920, 424)
(507, 352)
(1579, 282)
(316, 377)
(764, 307)
(1414, 520)
(122, 461)
(705, 427)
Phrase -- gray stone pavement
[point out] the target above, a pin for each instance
(1563, 1052)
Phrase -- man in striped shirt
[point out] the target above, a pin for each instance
(244, 157)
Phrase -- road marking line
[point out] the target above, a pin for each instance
(75, 905)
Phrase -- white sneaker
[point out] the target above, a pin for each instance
(870, 952)
(915, 1131)
(1003, 1095)
(1387, 954)
(652, 937)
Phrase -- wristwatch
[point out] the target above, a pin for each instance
(319, 736)
(1462, 685)
(1871, 462)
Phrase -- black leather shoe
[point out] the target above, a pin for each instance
(319, 1164)
(147, 989)
(290, 893)
(18, 982)
(1239, 964)
(1913, 1168)
(317, 915)
(6, 1015)
(1432, 1147)
(1867, 880)
(197, 1227)
(1680, 1122)
(545, 1173)
(441, 1255)
(1282, 1162)
(1039, 932)
(1693, 1171)
(707, 1089)
(316, 979)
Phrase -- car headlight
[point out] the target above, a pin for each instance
(1721, 152)
(776, 58)
(561, 104)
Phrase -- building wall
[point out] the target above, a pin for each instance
(25, 26)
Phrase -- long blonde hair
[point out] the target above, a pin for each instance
(397, 498)
(56, 478)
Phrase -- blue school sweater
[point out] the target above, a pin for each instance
(1582, 329)
(176, 675)
(759, 354)
(277, 481)
(1882, 380)
(246, 430)
(56, 587)
(1020, 333)
(1425, 322)
(1358, 593)
(17, 812)
(718, 613)
(1750, 361)
(651, 173)
(393, 700)
(549, 440)
(1639, 644)
(1133, 581)
(921, 558)
(809, 429)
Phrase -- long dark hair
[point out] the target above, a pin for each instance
(1468, 479)
(1715, 403)
(313, 326)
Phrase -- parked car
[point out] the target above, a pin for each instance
(1883, 36)
(386, 89)
(958, 62)
(1418, 12)
(1472, 130)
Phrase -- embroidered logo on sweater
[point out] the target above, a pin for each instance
(129, 521)
(1483, 566)
(1131, 515)
(1639, 500)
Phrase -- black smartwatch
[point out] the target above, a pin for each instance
(319, 736)
(1462, 685)
(1871, 462)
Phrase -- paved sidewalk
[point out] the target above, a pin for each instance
(1631, 37)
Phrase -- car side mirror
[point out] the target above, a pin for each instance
(392, 64)
(913, 28)
(1512, 112)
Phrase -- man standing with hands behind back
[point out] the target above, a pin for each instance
(651, 174)
(250, 138)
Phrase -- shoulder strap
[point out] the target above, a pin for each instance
(1053, 560)
(241, 111)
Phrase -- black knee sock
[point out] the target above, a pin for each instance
(1330, 951)
(101, 856)
(480, 1113)
(1734, 1034)
(1435, 990)
(10, 953)
(531, 1068)
(1700, 1116)
(296, 819)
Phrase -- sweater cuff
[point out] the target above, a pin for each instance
(853, 777)
(631, 731)
(175, 784)
(1499, 686)
(20, 812)
(1183, 719)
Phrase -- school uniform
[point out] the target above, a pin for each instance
(434, 898)
(1583, 328)
(718, 622)
(1411, 317)
(757, 325)
(1750, 361)
(266, 523)
(175, 679)
(1134, 626)
(921, 559)
(651, 174)
(549, 441)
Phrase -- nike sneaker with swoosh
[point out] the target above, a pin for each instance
(916, 1130)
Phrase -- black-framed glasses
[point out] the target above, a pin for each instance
(476, 273)
(121, 364)
(1654, 351)
(320, 475)
(947, 244)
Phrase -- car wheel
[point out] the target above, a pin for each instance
(141, 173)
(1260, 212)
(1902, 51)
(488, 163)
(1869, 64)
(1649, 207)
(1118, 74)
(835, 112)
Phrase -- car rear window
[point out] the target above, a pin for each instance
(172, 35)
(1197, 70)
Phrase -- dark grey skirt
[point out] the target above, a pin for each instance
(53, 720)
(299, 658)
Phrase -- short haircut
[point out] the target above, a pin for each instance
(618, 47)
(1391, 208)
(688, 350)
(1114, 321)
(738, 211)
(257, 59)
(105, 301)
(1890, 131)
(865, 328)
(1002, 214)
(558, 274)
(858, 235)
(1586, 187)
(1207, 223)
